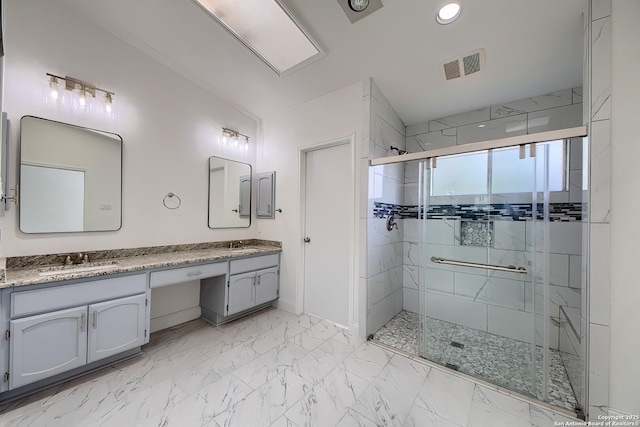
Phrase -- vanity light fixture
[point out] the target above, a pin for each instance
(234, 139)
(448, 13)
(83, 92)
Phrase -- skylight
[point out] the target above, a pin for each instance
(268, 29)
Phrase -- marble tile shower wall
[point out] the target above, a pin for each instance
(382, 268)
(557, 110)
(597, 114)
(500, 303)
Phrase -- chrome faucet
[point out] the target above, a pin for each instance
(79, 258)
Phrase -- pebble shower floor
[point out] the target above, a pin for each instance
(499, 360)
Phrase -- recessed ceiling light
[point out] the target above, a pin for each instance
(358, 5)
(448, 13)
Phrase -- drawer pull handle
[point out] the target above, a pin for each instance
(83, 319)
(194, 273)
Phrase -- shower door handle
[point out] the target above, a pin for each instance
(510, 268)
(307, 240)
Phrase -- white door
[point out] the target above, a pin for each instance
(116, 326)
(46, 345)
(328, 213)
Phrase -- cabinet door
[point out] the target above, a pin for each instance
(241, 292)
(266, 195)
(47, 344)
(245, 196)
(266, 285)
(116, 326)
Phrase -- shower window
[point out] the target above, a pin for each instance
(494, 173)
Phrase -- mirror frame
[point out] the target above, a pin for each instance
(19, 208)
(251, 175)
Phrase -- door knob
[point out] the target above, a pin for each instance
(307, 240)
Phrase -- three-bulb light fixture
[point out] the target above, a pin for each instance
(82, 93)
(234, 139)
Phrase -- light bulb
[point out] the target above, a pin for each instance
(358, 5)
(108, 103)
(82, 96)
(53, 93)
(235, 141)
(53, 86)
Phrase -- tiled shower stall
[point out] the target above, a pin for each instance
(480, 323)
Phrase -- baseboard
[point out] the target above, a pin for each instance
(287, 306)
(173, 319)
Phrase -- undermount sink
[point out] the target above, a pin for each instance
(243, 251)
(77, 268)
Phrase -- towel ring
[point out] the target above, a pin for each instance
(169, 197)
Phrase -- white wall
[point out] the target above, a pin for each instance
(625, 205)
(169, 127)
(330, 117)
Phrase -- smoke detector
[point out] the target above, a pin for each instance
(463, 65)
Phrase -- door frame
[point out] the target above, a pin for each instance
(351, 217)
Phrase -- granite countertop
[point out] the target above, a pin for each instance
(182, 255)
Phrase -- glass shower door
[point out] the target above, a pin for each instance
(484, 216)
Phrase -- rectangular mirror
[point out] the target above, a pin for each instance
(70, 178)
(229, 193)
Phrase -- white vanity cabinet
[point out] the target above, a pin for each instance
(46, 345)
(241, 293)
(267, 285)
(100, 323)
(252, 283)
(116, 326)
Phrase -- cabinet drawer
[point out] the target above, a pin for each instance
(252, 264)
(24, 303)
(185, 274)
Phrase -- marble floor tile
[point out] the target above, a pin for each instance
(329, 400)
(389, 398)
(323, 359)
(354, 419)
(260, 370)
(142, 372)
(367, 361)
(259, 375)
(83, 403)
(446, 396)
(207, 403)
(265, 405)
(421, 417)
(148, 407)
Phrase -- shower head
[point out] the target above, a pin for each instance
(399, 150)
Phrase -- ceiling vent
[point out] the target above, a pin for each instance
(463, 65)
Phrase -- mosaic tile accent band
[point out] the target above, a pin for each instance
(515, 211)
